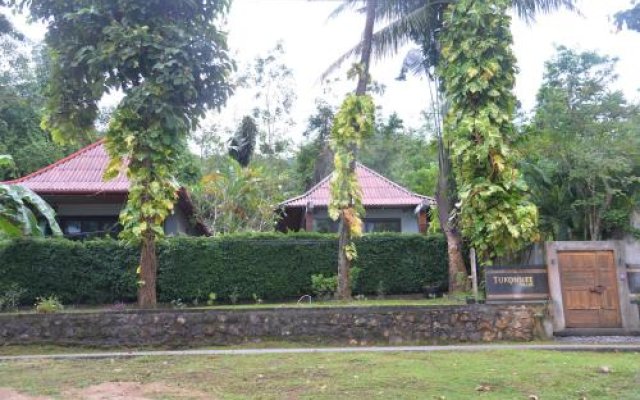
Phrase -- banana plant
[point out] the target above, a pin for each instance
(20, 208)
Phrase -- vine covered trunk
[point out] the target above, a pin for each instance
(477, 68)
(457, 268)
(148, 268)
(344, 264)
(344, 261)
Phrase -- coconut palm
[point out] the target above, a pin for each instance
(420, 22)
(411, 20)
(344, 239)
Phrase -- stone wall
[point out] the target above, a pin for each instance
(361, 325)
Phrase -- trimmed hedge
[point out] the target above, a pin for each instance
(271, 266)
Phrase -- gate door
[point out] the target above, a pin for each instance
(589, 289)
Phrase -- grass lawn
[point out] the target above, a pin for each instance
(303, 303)
(484, 375)
(439, 301)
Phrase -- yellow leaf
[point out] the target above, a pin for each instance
(472, 71)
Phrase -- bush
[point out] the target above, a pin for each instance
(326, 287)
(48, 305)
(270, 266)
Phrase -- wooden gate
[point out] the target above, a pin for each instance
(589, 289)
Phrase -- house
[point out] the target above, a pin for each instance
(389, 207)
(86, 205)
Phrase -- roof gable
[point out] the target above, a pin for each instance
(78, 173)
(377, 191)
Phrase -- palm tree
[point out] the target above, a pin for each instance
(421, 21)
(344, 261)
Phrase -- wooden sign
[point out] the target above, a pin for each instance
(516, 283)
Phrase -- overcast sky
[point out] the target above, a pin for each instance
(312, 42)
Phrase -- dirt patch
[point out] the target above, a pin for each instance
(131, 391)
(10, 394)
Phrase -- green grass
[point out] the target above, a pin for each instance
(504, 375)
(406, 301)
(440, 301)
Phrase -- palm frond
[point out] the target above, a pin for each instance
(387, 40)
(414, 63)
(344, 7)
(528, 9)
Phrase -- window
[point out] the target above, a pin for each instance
(382, 225)
(85, 227)
(325, 225)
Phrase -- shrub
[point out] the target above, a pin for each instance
(326, 287)
(323, 286)
(272, 266)
(48, 305)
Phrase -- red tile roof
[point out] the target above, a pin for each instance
(78, 173)
(377, 191)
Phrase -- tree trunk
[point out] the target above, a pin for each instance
(457, 269)
(148, 268)
(365, 57)
(344, 264)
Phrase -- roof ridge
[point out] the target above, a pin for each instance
(397, 185)
(57, 163)
(308, 192)
(376, 174)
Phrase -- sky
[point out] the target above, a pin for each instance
(312, 42)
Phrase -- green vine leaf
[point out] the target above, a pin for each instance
(478, 70)
(353, 123)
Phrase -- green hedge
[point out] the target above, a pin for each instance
(271, 266)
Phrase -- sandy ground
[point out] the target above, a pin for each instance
(10, 394)
(115, 391)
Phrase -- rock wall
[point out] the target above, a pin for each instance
(349, 325)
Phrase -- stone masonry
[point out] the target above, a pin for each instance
(348, 325)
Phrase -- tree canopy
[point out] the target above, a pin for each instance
(580, 149)
(169, 60)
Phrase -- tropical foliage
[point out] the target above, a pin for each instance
(21, 210)
(580, 150)
(235, 199)
(478, 72)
